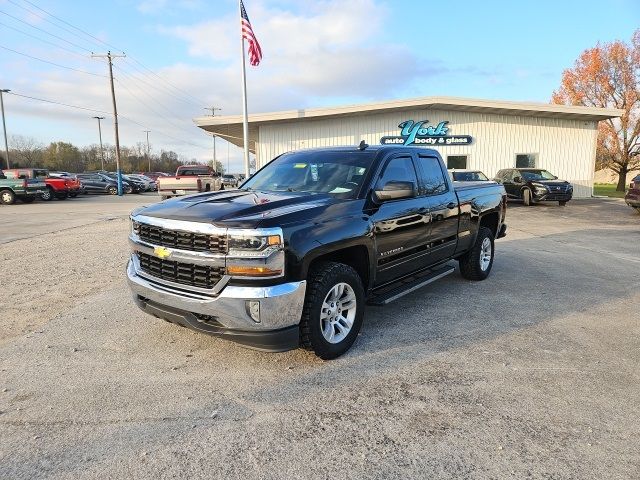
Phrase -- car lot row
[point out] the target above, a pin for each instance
(28, 184)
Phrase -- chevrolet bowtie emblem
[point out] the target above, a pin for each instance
(162, 252)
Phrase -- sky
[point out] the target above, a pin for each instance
(184, 55)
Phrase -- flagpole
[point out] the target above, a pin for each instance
(245, 114)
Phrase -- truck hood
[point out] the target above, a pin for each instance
(238, 207)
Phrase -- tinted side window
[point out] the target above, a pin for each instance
(434, 181)
(399, 169)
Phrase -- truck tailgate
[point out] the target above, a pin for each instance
(179, 183)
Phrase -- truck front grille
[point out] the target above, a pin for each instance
(184, 273)
(197, 242)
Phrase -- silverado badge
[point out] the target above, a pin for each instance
(162, 252)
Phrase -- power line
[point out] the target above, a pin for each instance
(45, 31)
(43, 40)
(52, 63)
(66, 23)
(59, 103)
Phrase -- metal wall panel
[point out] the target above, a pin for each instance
(564, 147)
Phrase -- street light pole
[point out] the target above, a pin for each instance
(148, 156)
(4, 125)
(100, 133)
(213, 114)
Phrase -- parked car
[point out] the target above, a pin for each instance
(229, 181)
(533, 185)
(14, 187)
(154, 175)
(633, 195)
(128, 186)
(96, 183)
(57, 187)
(291, 258)
(189, 179)
(149, 184)
(468, 176)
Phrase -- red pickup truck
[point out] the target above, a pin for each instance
(58, 187)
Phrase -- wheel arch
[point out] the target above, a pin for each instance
(357, 256)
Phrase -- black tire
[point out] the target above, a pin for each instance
(164, 197)
(28, 199)
(62, 196)
(322, 279)
(73, 194)
(471, 264)
(562, 204)
(7, 197)
(127, 189)
(48, 195)
(526, 197)
(112, 190)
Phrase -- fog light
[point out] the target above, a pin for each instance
(253, 309)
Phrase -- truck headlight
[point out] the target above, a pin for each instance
(540, 189)
(255, 253)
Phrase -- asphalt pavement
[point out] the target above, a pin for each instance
(533, 373)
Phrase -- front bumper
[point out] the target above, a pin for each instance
(227, 313)
(632, 199)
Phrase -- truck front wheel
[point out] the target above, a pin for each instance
(7, 197)
(476, 263)
(333, 310)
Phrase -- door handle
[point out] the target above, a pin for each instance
(451, 205)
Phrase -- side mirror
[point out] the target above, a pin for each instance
(394, 190)
(517, 179)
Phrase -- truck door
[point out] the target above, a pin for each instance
(400, 226)
(443, 208)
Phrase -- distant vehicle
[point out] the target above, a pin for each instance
(96, 183)
(128, 186)
(533, 185)
(229, 180)
(57, 187)
(155, 175)
(633, 195)
(24, 189)
(468, 176)
(150, 184)
(189, 179)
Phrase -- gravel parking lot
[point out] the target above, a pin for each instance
(533, 373)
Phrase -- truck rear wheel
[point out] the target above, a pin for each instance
(476, 263)
(333, 310)
(7, 197)
(47, 195)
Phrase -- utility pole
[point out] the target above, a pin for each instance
(213, 114)
(109, 56)
(100, 133)
(148, 156)
(4, 125)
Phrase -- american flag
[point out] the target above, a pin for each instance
(255, 52)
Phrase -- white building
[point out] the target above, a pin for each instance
(469, 133)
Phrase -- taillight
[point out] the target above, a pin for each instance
(24, 183)
(199, 184)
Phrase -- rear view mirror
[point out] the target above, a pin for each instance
(395, 190)
(517, 179)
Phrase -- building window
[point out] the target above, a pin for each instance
(526, 160)
(457, 161)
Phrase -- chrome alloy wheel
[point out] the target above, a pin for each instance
(485, 254)
(338, 313)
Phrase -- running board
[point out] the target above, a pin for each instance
(410, 286)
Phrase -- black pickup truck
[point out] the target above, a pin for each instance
(291, 258)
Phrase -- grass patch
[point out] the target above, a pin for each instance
(607, 190)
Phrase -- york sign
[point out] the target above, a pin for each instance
(419, 133)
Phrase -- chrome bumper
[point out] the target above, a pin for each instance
(280, 305)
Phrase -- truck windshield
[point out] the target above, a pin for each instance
(533, 175)
(340, 174)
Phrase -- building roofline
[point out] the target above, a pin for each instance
(216, 124)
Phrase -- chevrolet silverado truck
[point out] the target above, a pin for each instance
(189, 179)
(291, 258)
(14, 187)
